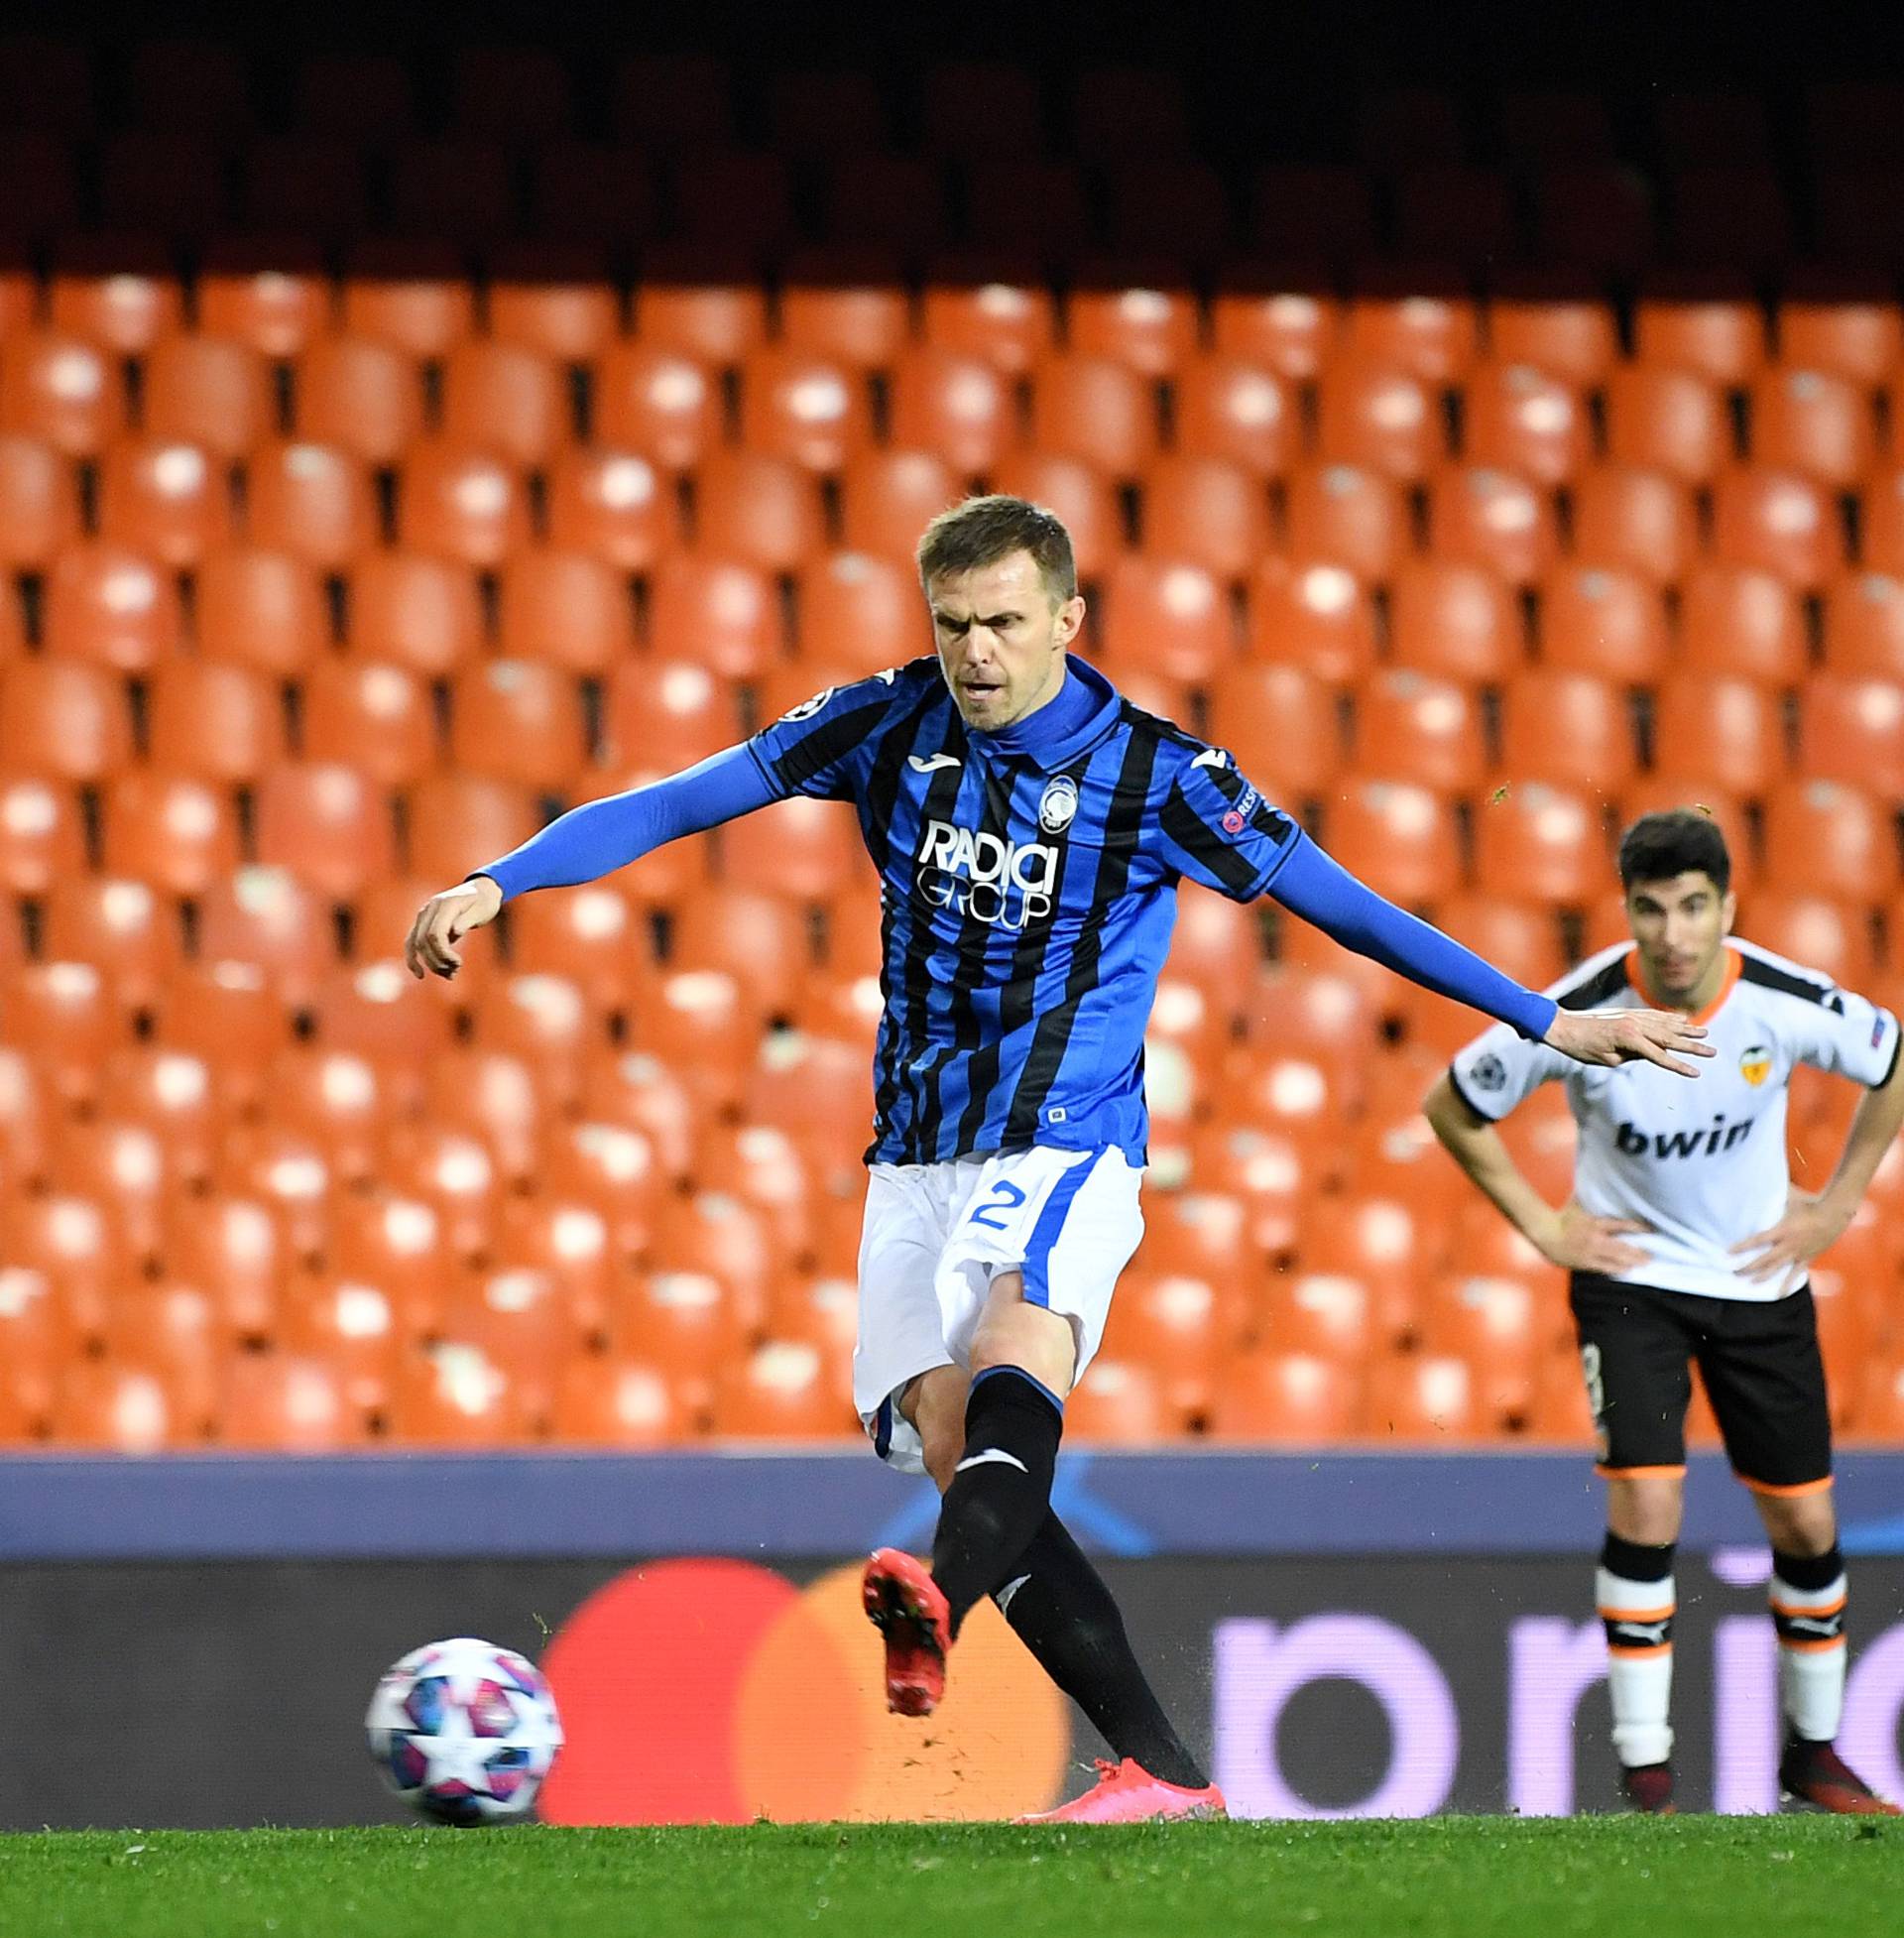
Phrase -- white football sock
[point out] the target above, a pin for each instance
(1639, 1664)
(1811, 1655)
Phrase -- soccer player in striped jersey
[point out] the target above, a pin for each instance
(1030, 827)
(1686, 1241)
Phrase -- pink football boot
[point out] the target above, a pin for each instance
(1127, 1793)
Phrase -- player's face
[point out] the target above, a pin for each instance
(1002, 639)
(1678, 926)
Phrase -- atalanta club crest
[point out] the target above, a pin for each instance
(1058, 805)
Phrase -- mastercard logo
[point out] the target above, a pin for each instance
(717, 1691)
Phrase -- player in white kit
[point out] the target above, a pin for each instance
(1685, 1243)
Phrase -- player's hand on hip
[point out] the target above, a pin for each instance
(1578, 1241)
(444, 919)
(1610, 1036)
(1784, 1251)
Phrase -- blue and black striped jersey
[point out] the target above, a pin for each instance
(1028, 898)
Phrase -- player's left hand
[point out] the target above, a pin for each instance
(1809, 1227)
(1627, 1035)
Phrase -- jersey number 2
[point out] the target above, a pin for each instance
(1005, 1197)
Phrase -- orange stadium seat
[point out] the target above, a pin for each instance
(1570, 728)
(280, 1403)
(1600, 620)
(724, 615)
(991, 309)
(953, 404)
(657, 401)
(1416, 317)
(1827, 936)
(23, 1119)
(1172, 617)
(459, 821)
(1778, 519)
(548, 1021)
(1540, 843)
(1398, 837)
(120, 292)
(116, 1409)
(1082, 496)
(213, 719)
(611, 504)
(56, 384)
(1289, 325)
(123, 1164)
(758, 937)
(616, 1400)
(1482, 517)
(1823, 837)
(659, 715)
(327, 823)
(1540, 319)
(39, 502)
(1739, 620)
(388, 1239)
(1853, 730)
(782, 1391)
(1207, 511)
(888, 497)
(565, 609)
(591, 934)
(64, 719)
(118, 924)
(1864, 626)
(560, 1237)
(1093, 409)
(1453, 620)
(1721, 728)
(418, 611)
(461, 502)
(455, 1396)
(1493, 1325)
(107, 604)
(1280, 722)
(348, 1325)
(506, 399)
(799, 849)
(1150, 327)
(1421, 1399)
(1379, 415)
(1309, 214)
(845, 306)
(176, 831)
(359, 393)
(1650, 793)
(1281, 1398)
(1632, 518)
(859, 611)
(1702, 321)
(313, 501)
(68, 1015)
(1121, 1403)
(170, 501)
(371, 715)
(517, 720)
(1814, 423)
(77, 1245)
(411, 295)
(262, 608)
(271, 917)
(740, 199)
(1328, 1315)
(1226, 407)
(1880, 519)
(208, 391)
(700, 305)
(807, 408)
(519, 1320)
(757, 508)
(1348, 515)
(377, 1011)
(268, 294)
(1521, 418)
(1667, 419)
(231, 1013)
(557, 298)
(1414, 727)
(1832, 323)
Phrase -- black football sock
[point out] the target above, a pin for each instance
(1061, 1610)
(1001, 1489)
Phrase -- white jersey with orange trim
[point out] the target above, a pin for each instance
(1702, 1163)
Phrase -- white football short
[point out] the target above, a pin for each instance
(934, 1236)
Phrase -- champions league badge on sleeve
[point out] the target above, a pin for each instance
(1058, 805)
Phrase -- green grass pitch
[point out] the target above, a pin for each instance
(1465, 1876)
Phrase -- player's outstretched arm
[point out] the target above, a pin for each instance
(1564, 1235)
(1323, 892)
(1611, 1037)
(587, 842)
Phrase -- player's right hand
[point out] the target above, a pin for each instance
(444, 919)
(1580, 1242)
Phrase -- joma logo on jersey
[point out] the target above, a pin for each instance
(1707, 1143)
(1004, 884)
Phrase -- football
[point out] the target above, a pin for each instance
(464, 1731)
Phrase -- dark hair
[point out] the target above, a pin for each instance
(983, 530)
(1674, 842)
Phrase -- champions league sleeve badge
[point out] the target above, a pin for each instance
(1058, 805)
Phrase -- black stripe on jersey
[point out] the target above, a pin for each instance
(882, 784)
(1824, 993)
(1191, 833)
(1122, 829)
(830, 741)
(1601, 987)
